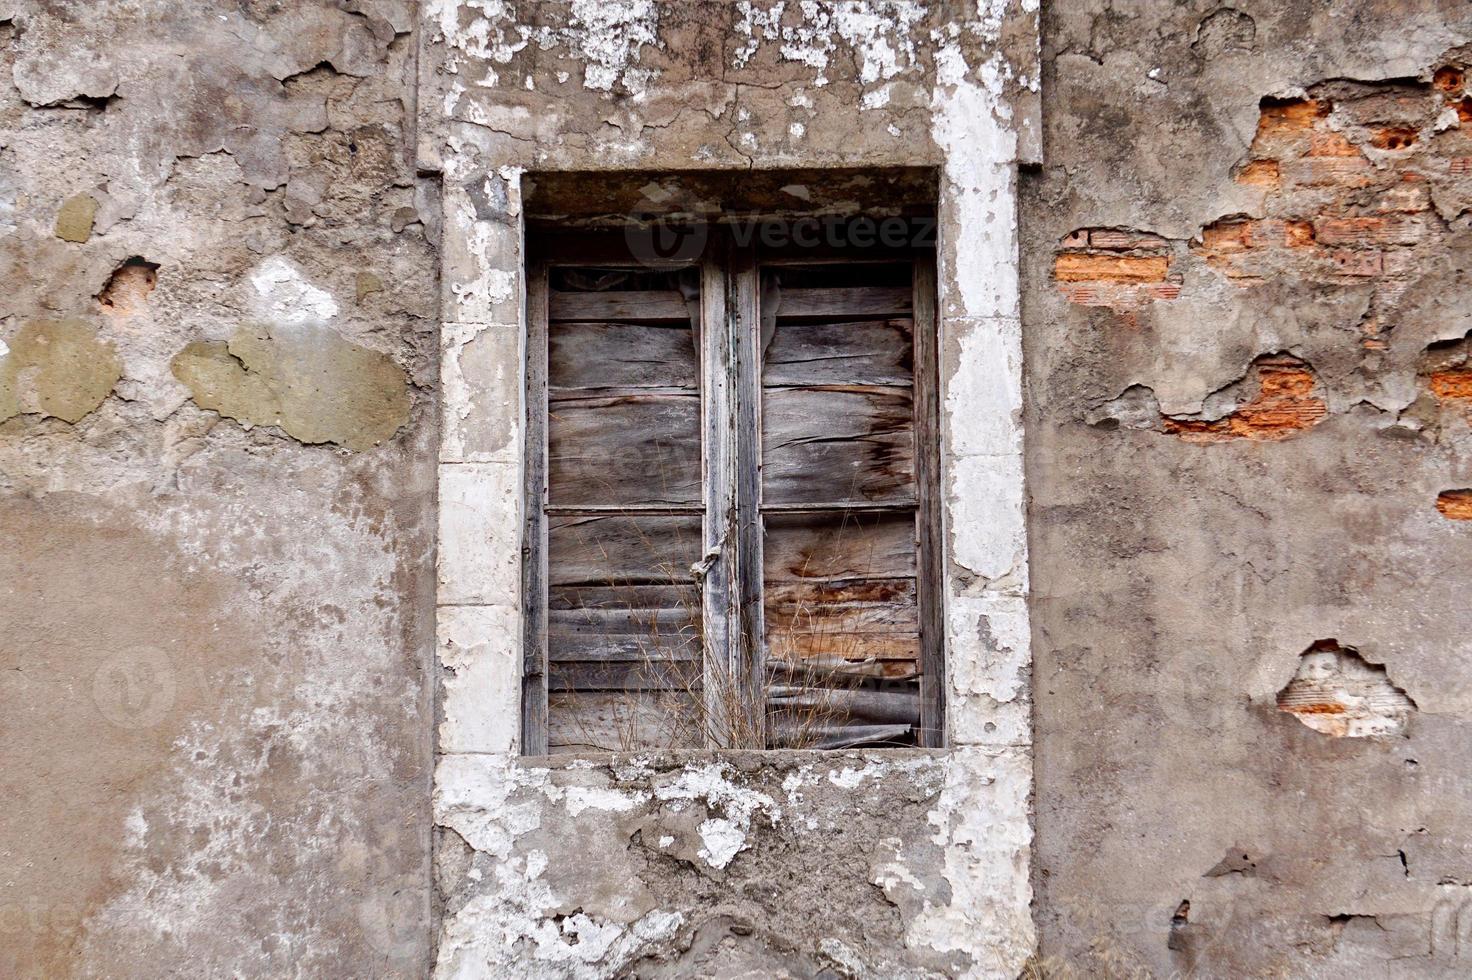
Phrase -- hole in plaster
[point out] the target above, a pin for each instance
(1339, 693)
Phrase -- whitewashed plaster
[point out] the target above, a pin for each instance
(981, 818)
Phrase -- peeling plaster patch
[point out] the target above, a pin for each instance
(59, 369)
(580, 798)
(981, 822)
(311, 382)
(721, 840)
(4, 348)
(757, 24)
(987, 520)
(286, 297)
(76, 218)
(610, 34)
(969, 123)
(1339, 693)
(881, 35)
(724, 838)
(477, 647)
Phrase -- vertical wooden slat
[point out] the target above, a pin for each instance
(746, 325)
(534, 543)
(928, 516)
(718, 598)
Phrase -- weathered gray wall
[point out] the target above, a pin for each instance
(215, 722)
(1178, 577)
(214, 704)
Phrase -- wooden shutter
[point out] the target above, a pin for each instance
(623, 508)
(845, 587)
(730, 523)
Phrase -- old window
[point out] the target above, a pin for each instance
(731, 534)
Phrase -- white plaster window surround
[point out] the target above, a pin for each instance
(982, 819)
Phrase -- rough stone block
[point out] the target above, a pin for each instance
(480, 534)
(480, 647)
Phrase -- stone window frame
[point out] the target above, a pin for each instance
(481, 507)
(982, 119)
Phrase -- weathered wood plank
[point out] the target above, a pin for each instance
(864, 352)
(846, 301)
(744, 715)
(621, 551)
(622, 355)
(861, 705)
(797, 645)
(836, 671)
(636, 306)
(846, 607)
(644, 597)
(799, 735)
(680, 676)
(838, 442)
(631, 448)
(835, 546)
(534, 710)
(622, 721)
(931, 733)
(607, 633)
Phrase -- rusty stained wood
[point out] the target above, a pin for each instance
(842, 590)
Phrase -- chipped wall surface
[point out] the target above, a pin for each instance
(1245, 307)
(260, 444)
(216, 579)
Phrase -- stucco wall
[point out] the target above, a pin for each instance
(1182, 571)
(220, 404)
(215, 495)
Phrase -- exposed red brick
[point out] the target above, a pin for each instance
(1395, 138)
(1166, 291)
(1076, 267)
(1331, 144)
(1460, 166)
(1451, 384)
(1455, 505)
(1328, 171)
(1075, 239)
(1393, 230)
(1358, 263)
(1113, 238)
(1227, 235)
(1084, 294)
(1298, 234)
(1450, 79)
(1464, 110)
(1349, 231)
(1295, 116)
(1285, 404)
(1261, 173)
